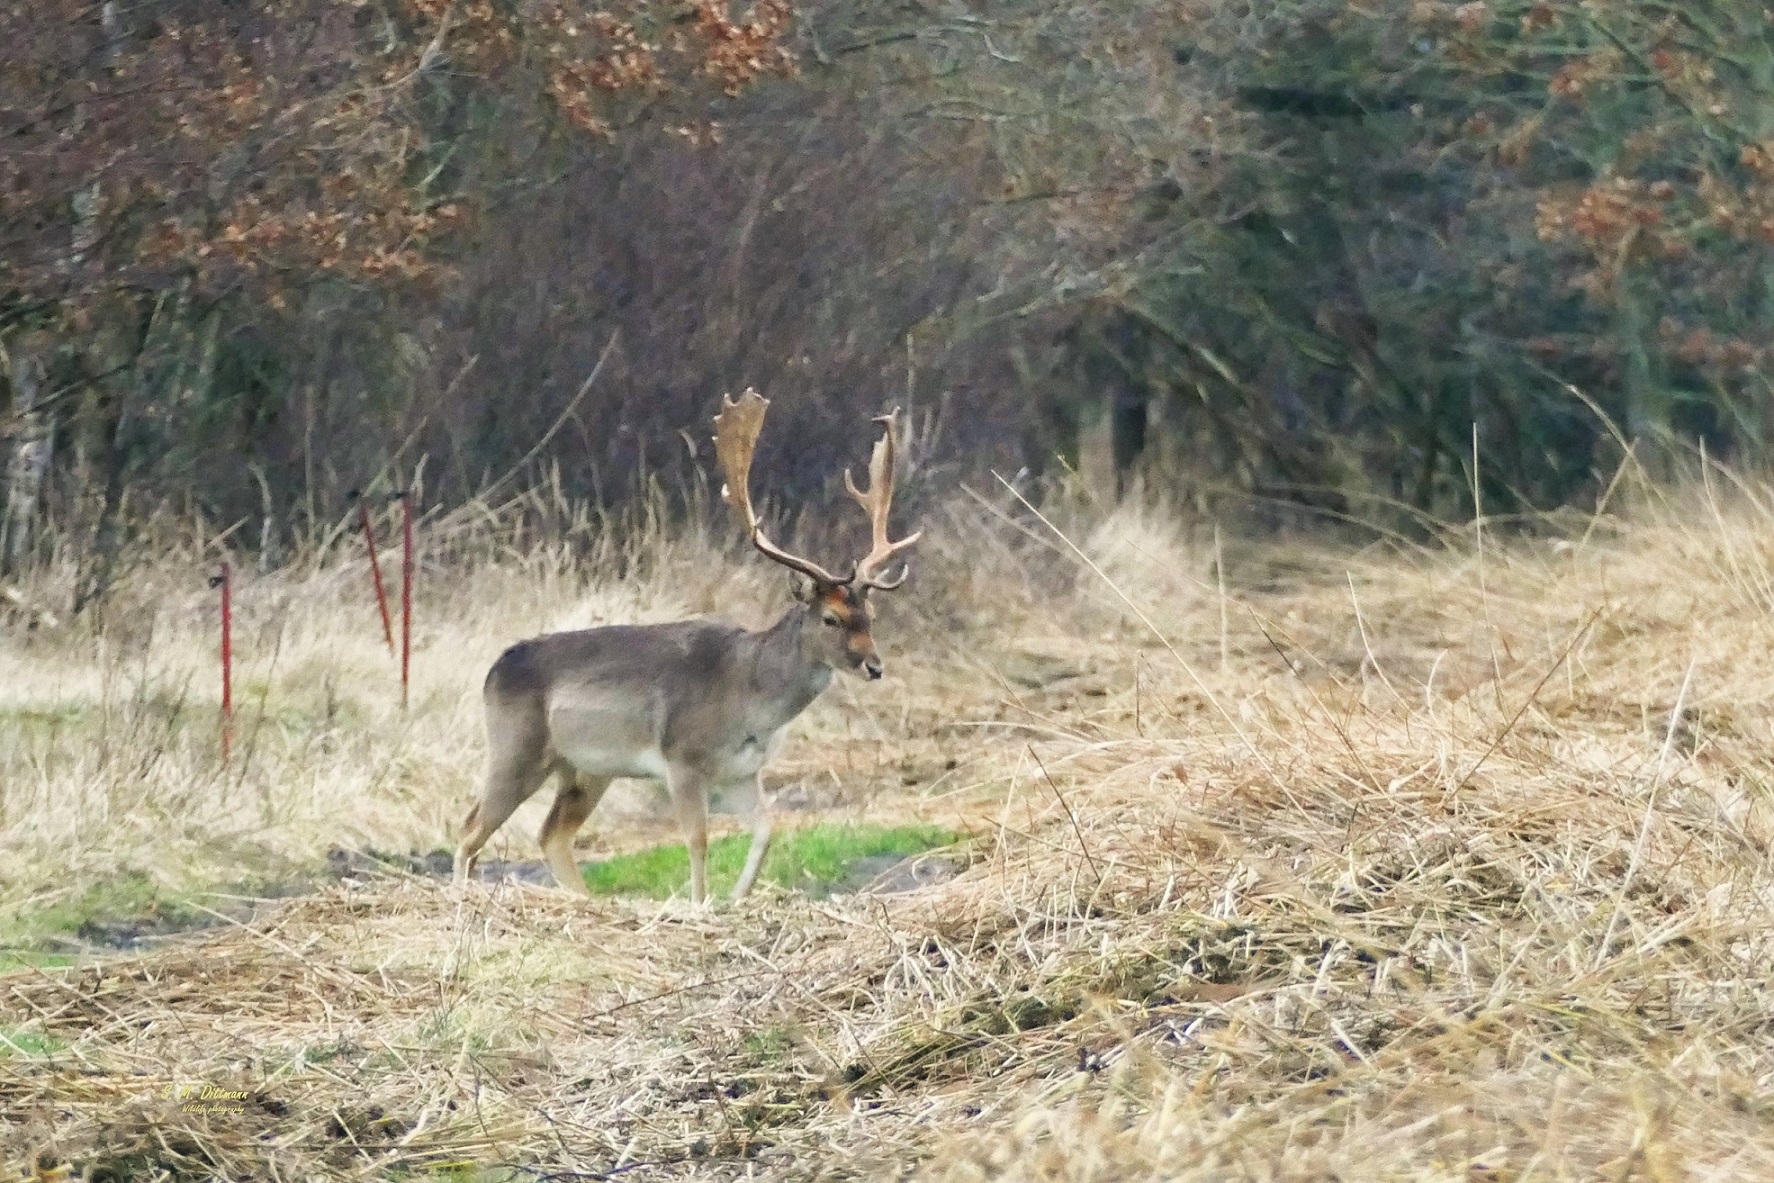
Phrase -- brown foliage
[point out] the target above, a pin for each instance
(261, 147)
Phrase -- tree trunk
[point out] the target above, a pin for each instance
(33, 437)
(116, 356)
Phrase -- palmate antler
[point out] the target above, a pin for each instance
(736, 441)
(876, 502)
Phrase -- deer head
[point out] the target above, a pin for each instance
(839, 601)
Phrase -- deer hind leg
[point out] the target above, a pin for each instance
(578, 796)
(518, 761)
(748, 797)
(689, 798)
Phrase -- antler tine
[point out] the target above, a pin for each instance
(736, 441)
(877, 502)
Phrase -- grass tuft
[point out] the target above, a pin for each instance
(124, 897)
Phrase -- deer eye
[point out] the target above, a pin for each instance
(831, 621)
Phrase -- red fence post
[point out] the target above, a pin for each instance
(369, 537)
(406, 593)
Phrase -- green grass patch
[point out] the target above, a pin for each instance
(768, 1045)
(20, 1042)
(814, 859)
(102, 914)
(11, 959)
(127, 895)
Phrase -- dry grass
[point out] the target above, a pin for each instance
(1392, 864)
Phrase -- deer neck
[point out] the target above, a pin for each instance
(784, 677)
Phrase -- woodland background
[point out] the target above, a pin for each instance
(256, 258)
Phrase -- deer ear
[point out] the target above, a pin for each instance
(801, 588)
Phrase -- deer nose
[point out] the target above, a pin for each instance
(872, 667)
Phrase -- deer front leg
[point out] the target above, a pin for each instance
(748, 797)
(689, 797)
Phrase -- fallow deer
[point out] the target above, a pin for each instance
(700, 704)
